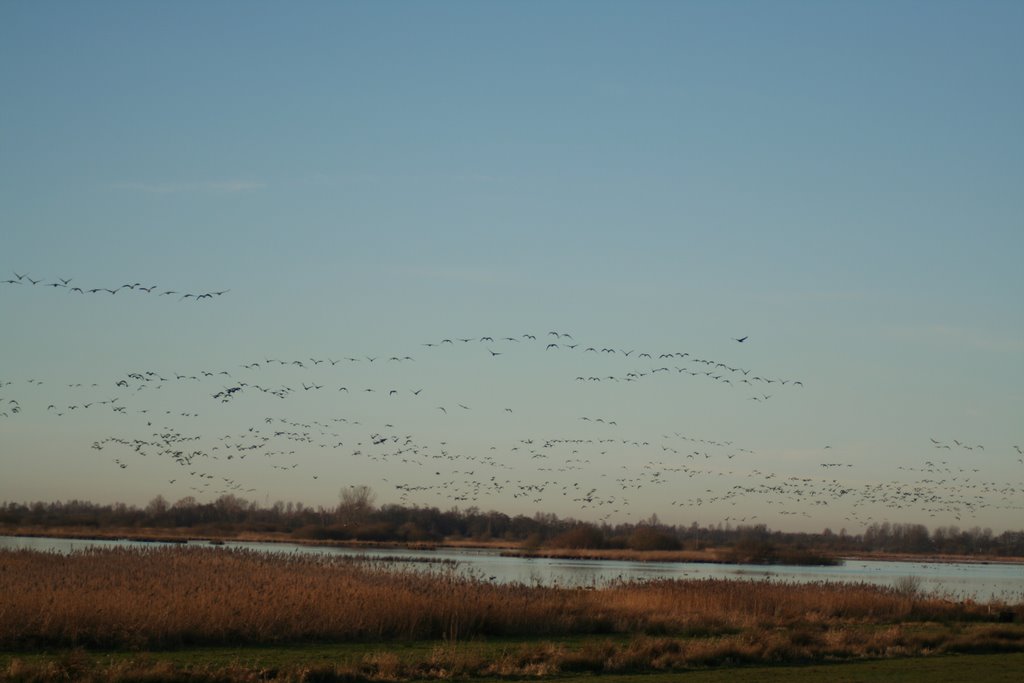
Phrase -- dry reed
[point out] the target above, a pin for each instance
(170, 597)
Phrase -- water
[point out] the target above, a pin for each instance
(991, 581)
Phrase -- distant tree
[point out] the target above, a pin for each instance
(157, 507)
(356, 504)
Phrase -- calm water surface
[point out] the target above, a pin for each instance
(956, 580)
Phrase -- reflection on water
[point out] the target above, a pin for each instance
(955, 580)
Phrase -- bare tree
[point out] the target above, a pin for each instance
(356, 504)
(157, 506)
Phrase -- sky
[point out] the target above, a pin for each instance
(837, 184)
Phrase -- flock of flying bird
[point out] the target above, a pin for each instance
(65, 284)
(341, 419)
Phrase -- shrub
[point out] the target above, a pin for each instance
(580, 536)
(651, 538)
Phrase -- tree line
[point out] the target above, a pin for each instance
(356, 518)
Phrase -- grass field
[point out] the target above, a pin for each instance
(386, 662)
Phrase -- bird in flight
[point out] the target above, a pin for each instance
(741, 339)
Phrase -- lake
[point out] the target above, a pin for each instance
(961, 581)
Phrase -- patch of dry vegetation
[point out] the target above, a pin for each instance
(710, 555)
(157, 598)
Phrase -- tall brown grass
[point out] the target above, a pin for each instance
(167, 597)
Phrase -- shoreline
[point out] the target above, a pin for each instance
(708, 556)
(936, 559)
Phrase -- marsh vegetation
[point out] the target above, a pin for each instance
(169, 598)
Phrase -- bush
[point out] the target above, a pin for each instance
(374, 531)
(908, 586)
(651, 538)
(580, 536)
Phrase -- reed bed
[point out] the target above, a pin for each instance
(782, 555)
(619, 554)
(159, 597)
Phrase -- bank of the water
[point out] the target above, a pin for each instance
(511, 549)
(710, 556)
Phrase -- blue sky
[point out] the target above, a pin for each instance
(839, 181)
